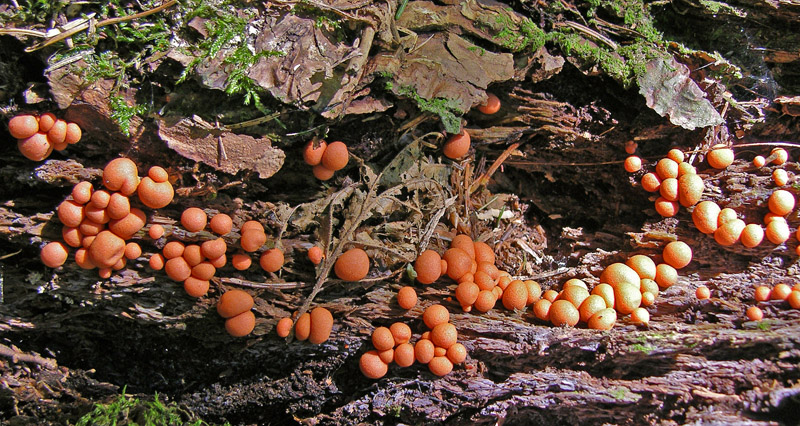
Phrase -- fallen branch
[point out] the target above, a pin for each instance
(484, 178)
(16, 355)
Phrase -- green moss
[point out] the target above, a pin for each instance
(479, 50)
(394, 410)
(34, 11)
(225, 29)
(323, 19)
(105, 65)
(127, 410)
(447, 109)
(223, 26)
(149, 35)
(120, 55)
(238, 83)
(122, 112)
(327, 23)
(638, 54)
(636, 17)
(126, 45)
(624, 63)
(718, 7)
(613, 65)
(638, 347)
(517, 37)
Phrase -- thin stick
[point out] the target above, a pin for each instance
(22, 32)
(484, 178)
(273, 286)
(786, 144)
(16, 355)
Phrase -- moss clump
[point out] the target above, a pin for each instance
(33, 11)
(126, 409)
(225, 29)
(238, 83)
(638, 347)
(718, 7)
(624, 63)
(518, 37)
(120, 55)
(122, 113)
(447, 109)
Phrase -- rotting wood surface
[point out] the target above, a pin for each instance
(699, 361)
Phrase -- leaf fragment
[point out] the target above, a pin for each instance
(670, 92)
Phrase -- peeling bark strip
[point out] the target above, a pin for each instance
(228, 152)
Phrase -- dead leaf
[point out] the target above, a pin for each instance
(410, 163)
(487, 19)
(309, 59)
(670, 92)
(223, 150)
(492, 21)
(306, 59)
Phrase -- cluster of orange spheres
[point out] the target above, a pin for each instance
(325, 158)
(777, 156)
(38, 136)
(193, 264)
(314, 326)
(253, 237)
(781, 292)
(235, 306)
(98, 222)
(480, 283)
(438, 347)
(675, 180)
(728, 229)
(624, 289)
(678, 185)
(196, 264)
